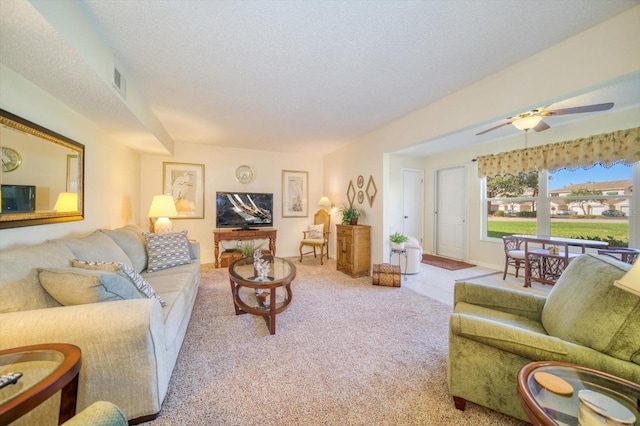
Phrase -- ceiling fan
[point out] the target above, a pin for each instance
(533, 119)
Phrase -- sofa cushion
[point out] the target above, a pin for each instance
(131, 241)
(141, 284)
(96, 246)
(167, 250)
(74, 286)
(584, 307)
(20, 289)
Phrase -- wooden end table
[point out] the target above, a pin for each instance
(544, 407)
(267, 297)
(45, 369)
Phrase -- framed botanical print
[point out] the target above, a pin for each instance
(185, 182)
(295, 193)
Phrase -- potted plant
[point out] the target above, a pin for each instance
(247, 248)
(397, 241)
(350, 214)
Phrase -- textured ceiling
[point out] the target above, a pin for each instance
(298, 76)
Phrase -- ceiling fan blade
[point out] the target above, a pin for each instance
(541, 126)
(577, 110)
(493, 128)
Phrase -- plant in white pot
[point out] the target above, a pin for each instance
(397, 241)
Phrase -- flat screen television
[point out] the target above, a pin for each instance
(244, 210)
(18, 198)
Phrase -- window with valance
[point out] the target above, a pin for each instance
(621, 146)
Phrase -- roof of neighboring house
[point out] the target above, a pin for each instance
(611, 185)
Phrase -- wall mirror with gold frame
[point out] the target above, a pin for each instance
(42, 174)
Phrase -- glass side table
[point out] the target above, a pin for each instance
(45, 369)
(544, 407)
(256, 295)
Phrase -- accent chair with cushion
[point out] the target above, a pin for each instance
(317, 235)
(625, 254)
(513, 254)
(585, 320)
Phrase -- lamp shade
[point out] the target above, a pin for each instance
(162, 206)
(526, 123)
(66, 202)
(631, 280)
(324, 202)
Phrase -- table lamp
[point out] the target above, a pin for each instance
(324, 202)
(631, 280)
(66, 202)
(162, 207)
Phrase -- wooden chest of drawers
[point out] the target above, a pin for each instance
(354, 249)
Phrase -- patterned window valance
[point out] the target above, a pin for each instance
(622, 146)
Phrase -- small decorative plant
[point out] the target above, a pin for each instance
(398, 238)
(247, 248)
(350, 214)
(397, 241)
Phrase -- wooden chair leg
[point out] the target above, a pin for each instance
(321, 254)
(460, 403)
(300, 253)
(506, 266)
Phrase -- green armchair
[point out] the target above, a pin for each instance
(585, 320)
(100, 413)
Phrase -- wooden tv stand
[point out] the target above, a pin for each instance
(241, 235)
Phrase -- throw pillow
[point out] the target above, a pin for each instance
(71, 286)
(315, 232)
(137, 280)
(167, 250)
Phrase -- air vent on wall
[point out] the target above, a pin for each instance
(119, 83)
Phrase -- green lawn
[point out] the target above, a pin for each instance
(616, 233)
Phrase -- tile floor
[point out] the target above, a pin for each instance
(438, 283)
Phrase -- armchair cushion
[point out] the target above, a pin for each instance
(315, 232)
(584, 307)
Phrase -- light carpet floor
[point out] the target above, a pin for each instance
(344, 353)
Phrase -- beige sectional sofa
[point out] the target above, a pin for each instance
(129, 342)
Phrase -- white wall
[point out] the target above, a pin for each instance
(219, 166)
(111, 170)
(603, 53)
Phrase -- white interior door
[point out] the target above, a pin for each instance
(450, 212)
(413, 203)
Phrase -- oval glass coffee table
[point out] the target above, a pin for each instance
(544, 407)
(266, 296)
(46, 369)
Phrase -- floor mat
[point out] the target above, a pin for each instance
(443, 262)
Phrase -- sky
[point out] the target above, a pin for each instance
(564, 178)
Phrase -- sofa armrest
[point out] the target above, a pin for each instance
(520, 341)
(502, 299)
(122, 344)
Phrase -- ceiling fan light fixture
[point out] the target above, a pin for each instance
(526, 123)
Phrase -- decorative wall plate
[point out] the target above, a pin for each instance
(244, 174)
(360, 197)
(360, 181)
